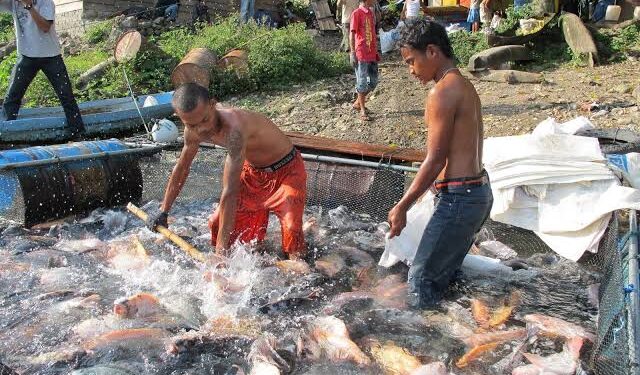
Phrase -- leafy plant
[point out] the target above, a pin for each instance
(98, 32)
(513, 16)
(466, 44)
(6, 27)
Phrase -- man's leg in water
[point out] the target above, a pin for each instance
(288, 204)
(446, 241)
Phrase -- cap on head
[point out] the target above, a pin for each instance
(188, 95)
(418, 34)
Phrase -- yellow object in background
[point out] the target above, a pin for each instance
(449, 3)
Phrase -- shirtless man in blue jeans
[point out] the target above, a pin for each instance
(453, 165)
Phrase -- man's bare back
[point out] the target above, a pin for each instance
(264, 144)
(464, 157)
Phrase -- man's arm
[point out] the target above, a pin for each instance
(230, 188)
(180, 173)
(440, 115)
(43, 21)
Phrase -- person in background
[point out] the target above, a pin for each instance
(410, 10)
(474, 15)
(247, 10)
(200, 13)
(346, 7)
(171, 12)
(39, 49)
(453, 164)
(364, 55)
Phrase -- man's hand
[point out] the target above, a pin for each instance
(353, 60)
(157, 218)
(397, 219)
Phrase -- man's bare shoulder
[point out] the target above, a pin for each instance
(450, 90)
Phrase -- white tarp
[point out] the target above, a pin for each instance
(557, 185)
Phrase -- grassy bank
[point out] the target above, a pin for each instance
(277, 58)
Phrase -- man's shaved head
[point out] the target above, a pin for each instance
(188, 95)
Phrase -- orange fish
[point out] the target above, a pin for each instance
(480, 313)
(127, 337)
(328, 338)
(299, 267)
(475, 353)
(478, 339)
(140, 305)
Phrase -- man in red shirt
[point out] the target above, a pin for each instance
(364, 53)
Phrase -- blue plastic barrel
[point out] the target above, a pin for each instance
(60, 189)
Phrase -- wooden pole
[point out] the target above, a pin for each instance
(184, 245)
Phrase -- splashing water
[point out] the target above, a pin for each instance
(58, 286)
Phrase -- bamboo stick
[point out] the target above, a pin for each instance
(184, 245)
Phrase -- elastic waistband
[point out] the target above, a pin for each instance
(448, 183)
(280, 163)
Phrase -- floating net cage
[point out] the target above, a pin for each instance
(372, 189)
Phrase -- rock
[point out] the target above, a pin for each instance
(144, 25)
(129, 23)
(493, 58)
(318, 96)
(158, 21)
(579, 38)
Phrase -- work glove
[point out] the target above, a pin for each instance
(353, 60)
(157, 218)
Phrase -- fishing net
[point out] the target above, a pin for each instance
(614, 348)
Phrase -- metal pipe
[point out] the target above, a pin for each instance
(338, 160)
(634, 303)
(56, 160)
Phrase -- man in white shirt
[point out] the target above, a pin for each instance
(39, 49)
(346, 7)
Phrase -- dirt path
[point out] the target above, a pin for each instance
(324, 107)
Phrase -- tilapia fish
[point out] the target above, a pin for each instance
(478, 339)
(298, 267)
(327, 338)
(264, 359)
(392, 359)
(330, 265)
(563, 363)
(435, 368)
(130, 338)
(475, 354)
(557, 327)
(139, 305)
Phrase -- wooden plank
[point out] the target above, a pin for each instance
(323, 15)
(359, 150)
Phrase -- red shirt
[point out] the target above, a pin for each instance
(364, 26)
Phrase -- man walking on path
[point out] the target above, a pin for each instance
(346, 7)
(39, 49)
(453, 165)
(364, 54)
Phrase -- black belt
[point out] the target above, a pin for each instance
(446, 184)
(280, 163)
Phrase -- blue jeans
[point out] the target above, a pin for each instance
(458, 216)
(171, 12)
(247, 10)
(366, 76)
(54, 69)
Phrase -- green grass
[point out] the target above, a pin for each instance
(466, 44)
(277, 58)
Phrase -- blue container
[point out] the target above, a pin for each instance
(60, 189)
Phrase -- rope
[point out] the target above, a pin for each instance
(133, 97)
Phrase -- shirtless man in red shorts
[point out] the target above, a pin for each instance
(263, 172)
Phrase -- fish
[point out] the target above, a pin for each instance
(357, 259)
(478, 339)
(264, 359)
(555, 327)
(563, 363)
(392, 359)
(298, 267)
(133, 338)
(115, 368)
(390, 292)
(434, 368)
(449, 325)
(327, 337)
(229, 325)
(128, 254)
(475, 353)
(480, 313)
(340, 301)
(481, 266)
(81, 246)
(225, 284)
(139, 305)
(193, 342)
(330, 265)
(496, 249)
